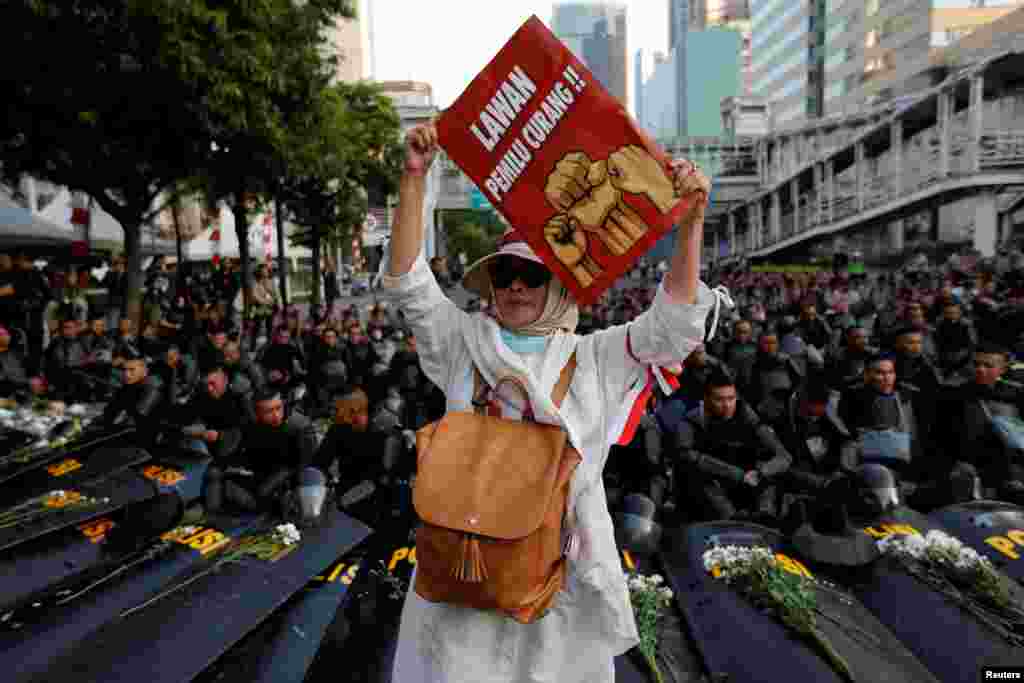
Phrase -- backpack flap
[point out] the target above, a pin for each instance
(487, 476)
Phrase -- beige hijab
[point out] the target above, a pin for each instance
(560, 313)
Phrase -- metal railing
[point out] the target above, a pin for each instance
(921, 168)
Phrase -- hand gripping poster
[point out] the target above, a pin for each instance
(562, 161)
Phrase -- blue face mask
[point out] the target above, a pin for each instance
(523, 344)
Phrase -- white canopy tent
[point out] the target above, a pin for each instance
(20, 227)
(105, 231)
(202, 248)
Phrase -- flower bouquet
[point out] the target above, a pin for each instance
(962, 575)
(648, 597)
(27, 453)
(270, 546)
(757, 575)
(47, 505)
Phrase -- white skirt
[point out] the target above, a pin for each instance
(440, 643)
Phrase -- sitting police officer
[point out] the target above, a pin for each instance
(274, 449)
(846, 368)
(327, 370)
(724, 430)
(65, 361)
(821, 445)
(13, 373)
(177, 373)
(138, 399)
(215, 417)
(881, 414)
(979, 423)
(245, 377)
(740, 353)
(774, 377)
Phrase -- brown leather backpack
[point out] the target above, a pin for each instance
(492, 495)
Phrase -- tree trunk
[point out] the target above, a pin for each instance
(133, 272)
(177, 234)
(242, 231)
(315, 295)
(282, 262)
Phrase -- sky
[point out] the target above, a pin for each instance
(447, 42)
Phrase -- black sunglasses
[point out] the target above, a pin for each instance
(505, 271)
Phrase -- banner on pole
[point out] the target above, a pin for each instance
(268, 236)
(562, 161)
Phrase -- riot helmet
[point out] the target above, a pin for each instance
(335, 374)
(311, 494)
(874, 491)
(965, 483)
(635, 527)
(387, 415)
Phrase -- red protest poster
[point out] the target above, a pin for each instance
(562, 161)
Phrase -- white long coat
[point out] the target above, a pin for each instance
(591, 621)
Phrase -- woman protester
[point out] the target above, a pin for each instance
(531, 338)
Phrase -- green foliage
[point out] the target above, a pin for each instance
(470, 238)
(353, 143)
(472, 231)
(99, 106)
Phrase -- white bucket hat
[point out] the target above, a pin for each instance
(477, 278)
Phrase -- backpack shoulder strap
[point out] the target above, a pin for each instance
(479, 396)
(564, 380)
(558, 393)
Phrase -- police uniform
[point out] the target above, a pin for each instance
(743, 441)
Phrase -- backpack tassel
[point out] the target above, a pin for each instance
(469, 565)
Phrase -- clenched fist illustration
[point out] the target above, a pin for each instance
(632, 169)
(570, 246)
(582, 189)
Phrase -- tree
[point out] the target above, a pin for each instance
(261, 76)
(101, 109)
(472, 231)
(471, 239)
(354, 144)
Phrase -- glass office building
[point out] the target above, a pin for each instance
(596, 33)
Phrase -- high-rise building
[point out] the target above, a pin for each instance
(871, 48)
(352, 41)
(783, 59)
(596, 34)
(679, 17)
(712, 78)
(734, 14)
(678, 21)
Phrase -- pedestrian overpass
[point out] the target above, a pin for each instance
(963, 139)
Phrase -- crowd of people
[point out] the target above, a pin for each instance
(809, 375)
(818, 373)
(257, 395)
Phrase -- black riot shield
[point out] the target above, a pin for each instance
(739, 642)
(943, 635)
(183, 475)
(71, 471)
(284, 646)
(50, 626)
(61, 509)
(362, 639)
(25, 459)
(229, 601)
(994, 529)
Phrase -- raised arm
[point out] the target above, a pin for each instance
(407, 233)
(409, 284)
(682, 282)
